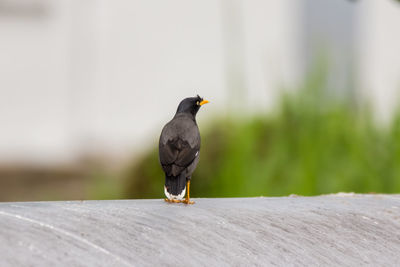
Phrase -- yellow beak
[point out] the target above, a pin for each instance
(203, 102)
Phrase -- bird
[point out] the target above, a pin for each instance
(179, 150)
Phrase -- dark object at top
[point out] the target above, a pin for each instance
(179, 147)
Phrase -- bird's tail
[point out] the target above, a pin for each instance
(175, 186)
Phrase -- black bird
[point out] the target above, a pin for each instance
(179, 149)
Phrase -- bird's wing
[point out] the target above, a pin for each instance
(178, 147)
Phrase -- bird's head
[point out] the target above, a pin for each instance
(191, 105)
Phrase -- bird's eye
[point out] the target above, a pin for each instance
(197, 103)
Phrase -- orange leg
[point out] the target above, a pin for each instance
(187, 199)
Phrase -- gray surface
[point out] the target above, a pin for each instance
(328, 230)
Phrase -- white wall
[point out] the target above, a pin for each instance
(379, 55)
(104, 76)
(34, 82)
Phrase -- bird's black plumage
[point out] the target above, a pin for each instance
(179, 147)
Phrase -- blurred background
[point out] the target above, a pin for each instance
(304, 96)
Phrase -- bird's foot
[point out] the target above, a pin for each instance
(187, 201)
(173, 200)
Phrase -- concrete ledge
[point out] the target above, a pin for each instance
(343, 229)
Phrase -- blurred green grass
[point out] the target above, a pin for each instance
(314, 143)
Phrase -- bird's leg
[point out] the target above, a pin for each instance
(187, 199)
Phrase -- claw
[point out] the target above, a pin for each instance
(173, 200)
(187, 201)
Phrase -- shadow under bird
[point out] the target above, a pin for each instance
(179, 150)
